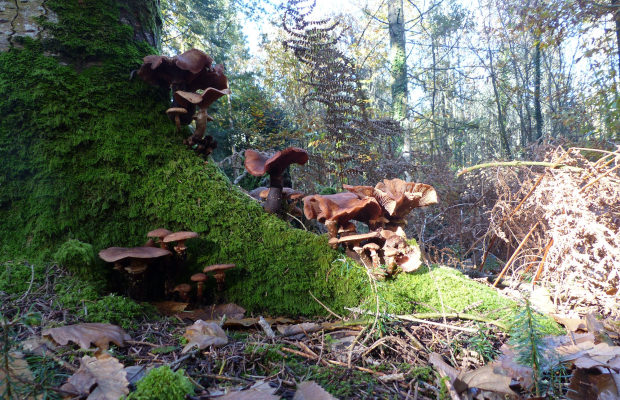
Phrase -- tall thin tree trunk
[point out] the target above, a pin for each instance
(500, 114)
(398, 62)
(537, 76)
(616, 10)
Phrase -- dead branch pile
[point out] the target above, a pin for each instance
(562, 227)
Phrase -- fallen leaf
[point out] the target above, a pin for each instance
(588, 384)
(489, 377)
(169, 308)
(85, 334)
(399, 377)
(261, 390)
(19, 376)
(203, 334)
(572, 324)
(306, 327)
(310, 390)
(100, 378)
(231, 311)
(437, 361)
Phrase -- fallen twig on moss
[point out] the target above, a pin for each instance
(419, 318)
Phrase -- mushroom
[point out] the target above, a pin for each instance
(175, 113)
(159, 233)
(218, 88)
(183, 290)
(259, 164)
(200, 279)
(190, 71)
(373, 248)
(336, 210)
(397, 198)
(219, 273)
(180, 238)
(138, 259)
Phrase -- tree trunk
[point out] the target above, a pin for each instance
(88, 154)
(500, 114)
(615, 5)
(537, 77)
(398, 62)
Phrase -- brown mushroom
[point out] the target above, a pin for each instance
(259, 164)
(159, 233)
(183, 290)
(175, 113)
(219, 273)
(180, 238)
(138, 259)
(336, 210)
(200, 279)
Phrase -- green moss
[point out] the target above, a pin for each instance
(162, 384)
(15, 277)
(77, 257)
(441, 288)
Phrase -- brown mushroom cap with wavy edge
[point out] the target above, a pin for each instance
(342, 207)
(261, 193)
(179, 70)
(219, 271)
(401, 197)
(259, 164)
(114, 254)
(180, 238)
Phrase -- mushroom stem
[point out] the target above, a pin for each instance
(273, 204)
(199, 291)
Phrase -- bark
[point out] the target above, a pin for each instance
(398, 62)
(500, 113)
(616, 10)
(537, 77)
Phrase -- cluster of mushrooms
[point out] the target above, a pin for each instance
(383, 208)
(195, 82)
(152, 270)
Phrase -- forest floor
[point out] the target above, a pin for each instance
(358, 357)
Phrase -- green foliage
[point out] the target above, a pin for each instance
(85, 300)
(527, 335)
(162, 384)
(482, 343)
(77, 257)
(15, 277)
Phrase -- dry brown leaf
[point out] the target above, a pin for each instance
(203, 334)
(169, 308)
(261, 390)
(592, 385)
(310, 390)
(84, 334)
(489, 377)
(572, 324)
(100, 378)
(437, 361)
(231, 311)
(306, 327)
(19, 376)
(518, 372)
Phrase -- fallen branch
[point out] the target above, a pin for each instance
(519, 164)
(514, 255)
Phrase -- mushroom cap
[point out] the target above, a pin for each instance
(178, 236)
(341, 207)
(371, 246)
(114, 254)
(259, 164)
(199, 277)
(191, 69)
(261, 193)
(218, 267)
(182, 288)
(398, 197)
(358, 238)
(158, 233)
(204, 100)
(176, 110)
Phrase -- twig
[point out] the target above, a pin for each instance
(225, 378)
(519, 164)
(298, 220)
(418, 320)
(325, 307)
(31, 281)
(542, 262)
(514, 255)
(266, 327)
(599, 178)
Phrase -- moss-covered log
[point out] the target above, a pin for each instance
(89, 154)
